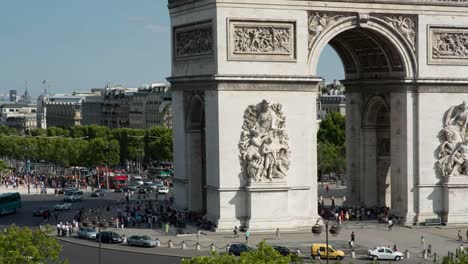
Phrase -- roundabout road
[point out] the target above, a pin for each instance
(75, 253)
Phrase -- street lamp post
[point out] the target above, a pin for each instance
(334, 230)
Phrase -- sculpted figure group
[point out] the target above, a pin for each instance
(453, 150)
(264, 150)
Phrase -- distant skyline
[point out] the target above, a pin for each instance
(79, 45)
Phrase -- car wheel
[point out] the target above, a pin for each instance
(375, 258)
(397, 258)
(339, 258)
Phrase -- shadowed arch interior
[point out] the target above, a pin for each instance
(366, 54)
(196, 153)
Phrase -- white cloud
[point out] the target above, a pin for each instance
(157, 28)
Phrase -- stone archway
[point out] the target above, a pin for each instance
(403, 69)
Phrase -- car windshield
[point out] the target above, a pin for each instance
(69, 193)
(145, 238)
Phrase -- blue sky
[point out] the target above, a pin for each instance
(79, 45)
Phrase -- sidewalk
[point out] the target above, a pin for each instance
(23, 190)
(368, 235)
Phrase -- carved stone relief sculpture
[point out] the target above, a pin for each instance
(453, 150)
(448, 46)
(405, 26)
(253, 40)
(318, 22)
(264, 149)
(193, 41)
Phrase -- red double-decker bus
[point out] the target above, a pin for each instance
(117, 178)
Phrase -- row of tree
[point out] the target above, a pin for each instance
(87, 146)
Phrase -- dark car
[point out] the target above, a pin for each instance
(144, 190)
(237, 248)
(41, 212)
(99, 193)
(284, 250)
(109, 237)
(121, 190)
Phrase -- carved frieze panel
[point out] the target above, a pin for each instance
(319, 22)
(448, 45)
(264, 143)
(193, 42)
(405, 25)
(262, 40)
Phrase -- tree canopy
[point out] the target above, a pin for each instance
(23, 245)
(264, 254)
(87, 145)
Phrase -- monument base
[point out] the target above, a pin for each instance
(267, 204)
(456, 195)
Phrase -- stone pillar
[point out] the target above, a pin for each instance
(353, 148)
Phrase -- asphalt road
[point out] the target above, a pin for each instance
(77, 254)
(89, 255)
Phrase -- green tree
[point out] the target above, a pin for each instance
(331, 149)
(461, 259)
(101, 151)
(264, 254)
(332, 129)
(158, 143)
(23, 245)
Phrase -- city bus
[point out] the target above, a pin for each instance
(9, 202)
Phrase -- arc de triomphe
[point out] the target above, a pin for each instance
(244, 89)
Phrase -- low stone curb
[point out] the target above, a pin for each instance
(129, 249)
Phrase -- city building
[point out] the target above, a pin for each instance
(91, 111)
(19, 116)
(12, 95)
(153, 115)
(116, 106)
(61, 110)
(331, 99)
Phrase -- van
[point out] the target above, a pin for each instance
(315, 249)
(137, 180)
(73, 196)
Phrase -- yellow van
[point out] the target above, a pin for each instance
(317, 249)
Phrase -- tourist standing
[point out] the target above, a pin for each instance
(247, 235)
(277, 233)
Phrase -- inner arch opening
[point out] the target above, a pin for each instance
(364, 55)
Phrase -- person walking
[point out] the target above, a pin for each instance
(236, 232)
(247, 235)
(166, 228)
(429, 249)
(277, 233)
(460, 238)
(395, 247)
(353, 237)
(390, 225)
(198, 234)
(423, 243)
(467, 235)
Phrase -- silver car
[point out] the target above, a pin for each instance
(87, 233)
(141, 241)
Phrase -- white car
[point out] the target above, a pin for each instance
(62, 206)
(384, 253)
(163, 190)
